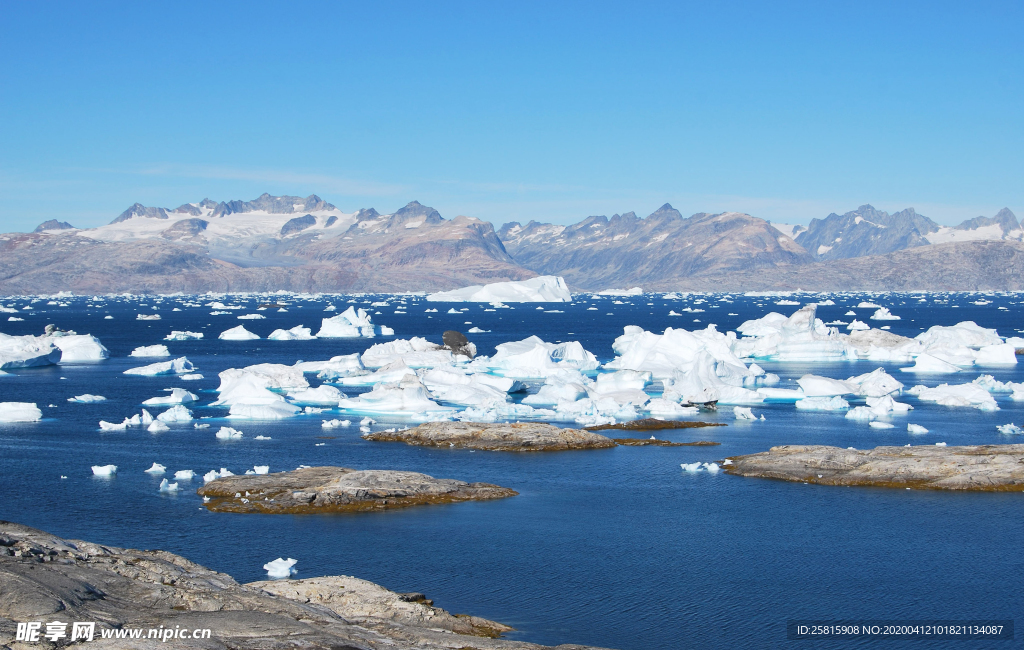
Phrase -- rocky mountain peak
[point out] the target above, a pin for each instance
(139, 210)
(414, 210)
(53, 224)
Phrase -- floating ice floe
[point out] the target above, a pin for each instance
(251, 317)
(297, 333)
(281, 568)
(926, 363)
(227, 433)
(184, 475)
(800, 337)
(238, 334)
(340, 366)
(407, 396)
(856, 325)
(822, 404)
(112, 426)
(544, 288)
(177, 366)
(711, 468)
(247, 391)
(177, 396)
(876, 383)
(940, 444)
(87, 399)
(320, 395)
(19, 412)
(815, 386)
(259, 469)
(916, 429)
(415, 352)
(868, 305)
(191, 377)
(351, 323)
(151, 351)
(147, 317)
(476, 330)
(78, 348)
(104, 470)
(534, 358)
(157, 468)
(175, 414)
(157, 427)
(970, 395)
(166, 486)
(875, 424)
(183, 336)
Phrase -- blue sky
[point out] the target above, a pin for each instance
(513, 110)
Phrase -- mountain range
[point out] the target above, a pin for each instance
(306, 244)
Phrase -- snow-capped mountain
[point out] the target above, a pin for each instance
(271, 242)
(626, 250)
(867, 231)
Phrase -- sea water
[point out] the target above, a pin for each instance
(617, 548)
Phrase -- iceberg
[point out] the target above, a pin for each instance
(880, 425)
(857, 325)
(1003, 354)
(339, 366)
(157, 426)
(801, 337)
(916, 429)
(104, 470)
(19, 412)
(111, 426)
(151, 351)
(87, 399)
(177, 396)
(544, 288)
(281, 568)
(297, 333)
(534, 358)
(822, 404)
(238, 334)
(408, 395)
(79, 348)
(416, 352)
(320, 395)
(927, 363)
(876, 383)
(743, 413)
(351, 323)
(252, 317)
(167, 486)
(183, 336)
(970, 395)
(27, 352)
(815, 386)
(1009, 429)
(177, 366)
(175, 414)
(963, 334)
(227, 433)
(157, 468)
(184, 475)
(883, 314)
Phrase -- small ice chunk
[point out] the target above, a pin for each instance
(19, 412)
(262, 438)
(280, 568)
(191, 377)
(916, 429)
(176, 414)
(156, 426)
(883, 314)
(1009, 429)
(104, 470)
(151, 351)
(157, 468)
(177, 396)
(166, 486)
(227, 433)
(690, 467)
(184, 475)
(87, 399)
(856, 325)
(183, 336)
(212, 475)
(261, 469)
(880, 425)
(743, 413)
(940, 444)
(712, 467)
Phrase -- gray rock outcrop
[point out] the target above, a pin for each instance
(53, 224)
(338, 489)
(517, 436)
(46, 578)
(990, 468)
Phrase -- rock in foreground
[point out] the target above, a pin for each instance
(992, 468)
(45, 578)
(518, 436)
(338, 489)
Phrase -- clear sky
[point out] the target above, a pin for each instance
(513, 110)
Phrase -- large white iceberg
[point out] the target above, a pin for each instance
(78, 348)
(351, 323)
(297, 333)
(971, 395)
(19, 412)
(544, 288)
(533, 357)
(175, 414)
(177, 396)
(416, 352)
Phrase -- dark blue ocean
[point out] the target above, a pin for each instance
(617, 548)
